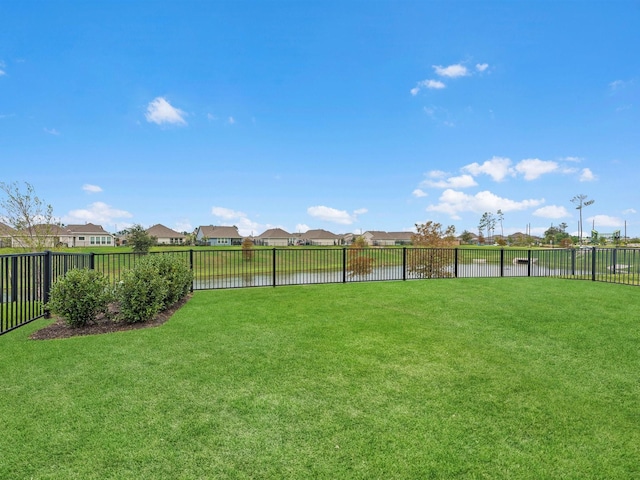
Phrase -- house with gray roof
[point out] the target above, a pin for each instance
(275, 237)
(213, 235)
(87, 235)
(165, 235)
(320, 237)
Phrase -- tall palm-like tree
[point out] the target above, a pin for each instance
(581, 202)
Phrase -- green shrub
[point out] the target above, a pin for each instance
(141, 292)
(155, 283)
(176, 273)
(80, 296)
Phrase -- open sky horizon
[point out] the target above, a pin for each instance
(342, 115)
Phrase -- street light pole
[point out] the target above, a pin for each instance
(581, 201)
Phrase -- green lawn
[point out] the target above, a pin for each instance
(466, 378)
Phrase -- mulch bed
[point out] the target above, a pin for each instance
(59, 328)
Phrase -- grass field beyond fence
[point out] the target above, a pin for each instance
(477, 378)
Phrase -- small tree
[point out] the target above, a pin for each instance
(29, 220)
(247, 250)
(435, 255)
(139, 239)
(359, 264)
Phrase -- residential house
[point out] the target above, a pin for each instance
(165, 235)
(319, 237)
(87, 235)
(218, 235)
(38, 236)
(379, 238)
(6, 235)
(274, 237)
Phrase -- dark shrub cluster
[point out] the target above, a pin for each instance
(80, 296)
(155, 283)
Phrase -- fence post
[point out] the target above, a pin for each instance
(404, 263)
(344, 264)
(529, 263)
(593, 263)
(455, 263)
(502, 262)
(614, 260)
(573, 262)
(193, 276)
(92, 261)
(47, 280)
(273, 267)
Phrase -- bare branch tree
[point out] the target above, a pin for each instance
(26, 219)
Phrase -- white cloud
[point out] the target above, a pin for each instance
(246, 226)
(461, 181)
(51, 131)
(211, 117)
(572, 159)
(231, 121)
(587, 175)
(497, 168)
(430, 84)
(481, 67)
(629, 211)
(419, 193)
(99, 213)
(533, 168)
(302, 227)
(360, 211)
(552, 211)
(453, 203)
(159, 111)
(2, 66)
(329, 214)
(452, 71)
(183, 226)
(605, 221)
(227, 213)
(2, 73)
(91, 188)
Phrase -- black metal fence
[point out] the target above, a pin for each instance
(26, 279)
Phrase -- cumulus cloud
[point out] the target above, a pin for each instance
(419, 193)
(91, 188)
(552, 211)
(605, 221)
(227, 213)
(51, 131)
(587, 175)
(246, 226)
(430, 84)
(160, 111)
(481, 67)
(183, 226)
(533, 168)
(334, 215)
(629, 211)
(302, 227)
(99, 213)
(452, 71)
(461, 181)
(453, 202)
(497, 168)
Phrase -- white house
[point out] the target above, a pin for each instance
(165, 235)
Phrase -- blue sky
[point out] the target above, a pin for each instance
(348, 116)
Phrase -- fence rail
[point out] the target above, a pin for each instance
(26, 279)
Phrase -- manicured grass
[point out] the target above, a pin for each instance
(466, 378)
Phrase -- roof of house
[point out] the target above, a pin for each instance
(319, 234)
(213, 231)
(274, 233)
(160, 231)
(6, 229)
(87, 228)
(380, 235)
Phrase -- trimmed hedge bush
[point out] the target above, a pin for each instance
(80, 296)
(155, 283)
